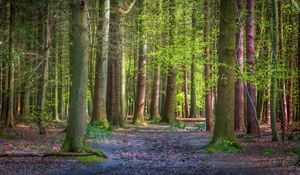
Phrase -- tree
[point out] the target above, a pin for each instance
(250, 52)
(224, 120)
(42, 82)
(100, 89)
(239, 84)
(114, 103)
(10, 103)
(208, 97)
(74, 141)
(170, 101)
(273, 80)
(138, 117)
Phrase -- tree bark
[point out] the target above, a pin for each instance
(74, 141)
(114, 85)
(239, 84)
(100, 89)
(138, 116)
(10, 104)
(155, 95)
(208, 97)
(185, 91)
(224, 121)
(250, 52)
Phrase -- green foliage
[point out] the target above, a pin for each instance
(98, 130)
(226, 146)
(155, 120)
(201, 126)
(46, 117)
(268, 152)
(180, 125)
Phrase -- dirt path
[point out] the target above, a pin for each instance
(163, 150)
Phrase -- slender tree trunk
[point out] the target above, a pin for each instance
(138, 117)
(186, 94)
(74, 141)
(10, 104)
(251, 100)
(100, 89)
(42, 82)
(239, 84)
(208, 97)
(274, 81)
(224, 121)
(155, 95)
(291, 80)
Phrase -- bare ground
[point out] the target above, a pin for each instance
(161, 149)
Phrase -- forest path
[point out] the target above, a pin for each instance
(161, 149)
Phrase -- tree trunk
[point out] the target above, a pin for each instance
(169, 114)
(114, 85)
(186, 94)
(155, 95)
(250, 52)
(291, 80)
(42, 82)
(273, 80)
(74, 141)
(10, 104)
(239, 84)
(208, 97)
(100, 89)
(224, 121)
(138, 117)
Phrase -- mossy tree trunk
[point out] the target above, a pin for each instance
(74, 141)
(224, 121)
(99, 100)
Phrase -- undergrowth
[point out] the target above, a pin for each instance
(226, 146)
(180, 125)
(98, 130)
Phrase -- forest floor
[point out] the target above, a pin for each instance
(152, 149)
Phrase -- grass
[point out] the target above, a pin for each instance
(90, 159)
(226, 146)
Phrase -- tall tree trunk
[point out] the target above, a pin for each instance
(138, 117)
(114, 85)
(100, 89)
(208, 97)
(74, 141)
(291, 80)
(224, 121)
(10, 98)
(239, 84)
(250, 52)
(281, 54)
(274, 81)
(42, 82)
(169, 114)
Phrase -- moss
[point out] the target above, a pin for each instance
(91, 159)
(227, 146)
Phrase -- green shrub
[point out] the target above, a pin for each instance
(201, 126)
(180, 125)
(98, 130)
(268, 152)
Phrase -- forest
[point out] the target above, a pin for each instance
(150, 87)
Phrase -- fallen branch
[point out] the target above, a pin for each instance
(191, 119)
(53, 154)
